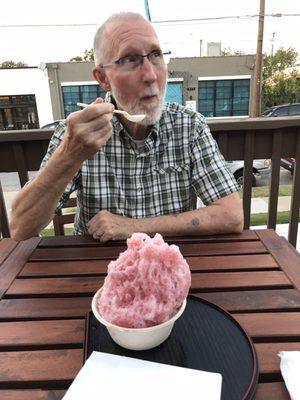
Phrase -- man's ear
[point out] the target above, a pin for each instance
(101, 78)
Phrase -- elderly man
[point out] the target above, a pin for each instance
(131, 177)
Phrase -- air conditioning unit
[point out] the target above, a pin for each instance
(214, 49)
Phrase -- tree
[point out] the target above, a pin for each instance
(228, 52)
(12, 64)
(281, 87)
(281, 78)
(88, 55)
(281, 60)
(76, 58)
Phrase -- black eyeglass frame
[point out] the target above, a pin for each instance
(119, 61)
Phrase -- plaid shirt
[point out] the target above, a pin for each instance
(179, 159)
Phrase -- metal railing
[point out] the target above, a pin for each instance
(238, 139)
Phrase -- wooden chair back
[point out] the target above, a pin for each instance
(4, 227)
(60, 219)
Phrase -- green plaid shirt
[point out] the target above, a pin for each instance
(179, 159)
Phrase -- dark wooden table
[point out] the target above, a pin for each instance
(46, 286)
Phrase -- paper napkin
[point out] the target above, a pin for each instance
(290, 370)
(109, 376)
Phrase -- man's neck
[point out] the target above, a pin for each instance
(136, 131)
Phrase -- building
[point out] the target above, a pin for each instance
(24, 98)
(30, 97)
(215, 86)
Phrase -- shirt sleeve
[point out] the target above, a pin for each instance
(53, 144)
(211, 178)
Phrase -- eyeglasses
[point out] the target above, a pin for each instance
(133, 61)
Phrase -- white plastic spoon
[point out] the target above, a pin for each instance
(132, 118)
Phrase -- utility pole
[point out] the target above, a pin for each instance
(255, 107)
(147, 11)
(272, 40)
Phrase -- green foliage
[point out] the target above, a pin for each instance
(12, 64)
(281, 88)
(281, 60)
(283, 217)
(281, 83)
(264, 191)
(88, 55)
(76, 58)
(228, 52)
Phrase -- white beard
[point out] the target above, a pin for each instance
(152, 111)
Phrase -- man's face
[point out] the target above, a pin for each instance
(142, 90)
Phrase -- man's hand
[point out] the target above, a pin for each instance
(88, 130)
(107, 226)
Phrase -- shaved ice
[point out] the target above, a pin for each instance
(146, 285)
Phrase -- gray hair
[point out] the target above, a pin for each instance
(101, 47)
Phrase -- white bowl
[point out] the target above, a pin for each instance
(137, 338)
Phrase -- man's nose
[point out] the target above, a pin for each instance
(148, 70)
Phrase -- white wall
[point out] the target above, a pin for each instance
(22, 81)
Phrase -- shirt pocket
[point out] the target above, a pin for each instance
(171, 169)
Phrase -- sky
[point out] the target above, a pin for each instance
(36, 44)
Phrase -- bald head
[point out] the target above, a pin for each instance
(102, 47)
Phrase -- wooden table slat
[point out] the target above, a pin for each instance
(62, 268)
(15, 262)
(190, 249)
(27, 367)
(6, 247)
(41, 333)
(52, 286)
(35, 394)
(272, 391)
(31, 309)
(253, 300)
(237, 301)
(200, 282)
(246, 280)
(268, 359)
(66, 241)
(284, 253)
(62, 365)
(270, 325)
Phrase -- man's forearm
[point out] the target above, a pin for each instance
(34, 205)
(213, 219)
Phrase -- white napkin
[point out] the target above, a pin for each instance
(290, 370)
(116, 377)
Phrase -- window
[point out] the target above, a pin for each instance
(18, 112)
(295, 109)
(174, 93)
(281, 112)
(227, 97)
(79, 94)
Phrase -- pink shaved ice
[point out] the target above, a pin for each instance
(146, 285)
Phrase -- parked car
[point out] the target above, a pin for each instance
(261, 168)
(288, 163)
(282, 110)
(51, 125)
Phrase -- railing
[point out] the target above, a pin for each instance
(238, 139)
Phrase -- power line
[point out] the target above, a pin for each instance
(45, 25)
(277, 15)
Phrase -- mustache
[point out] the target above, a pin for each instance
(149, 92)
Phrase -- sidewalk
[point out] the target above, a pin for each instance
(260, 204)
